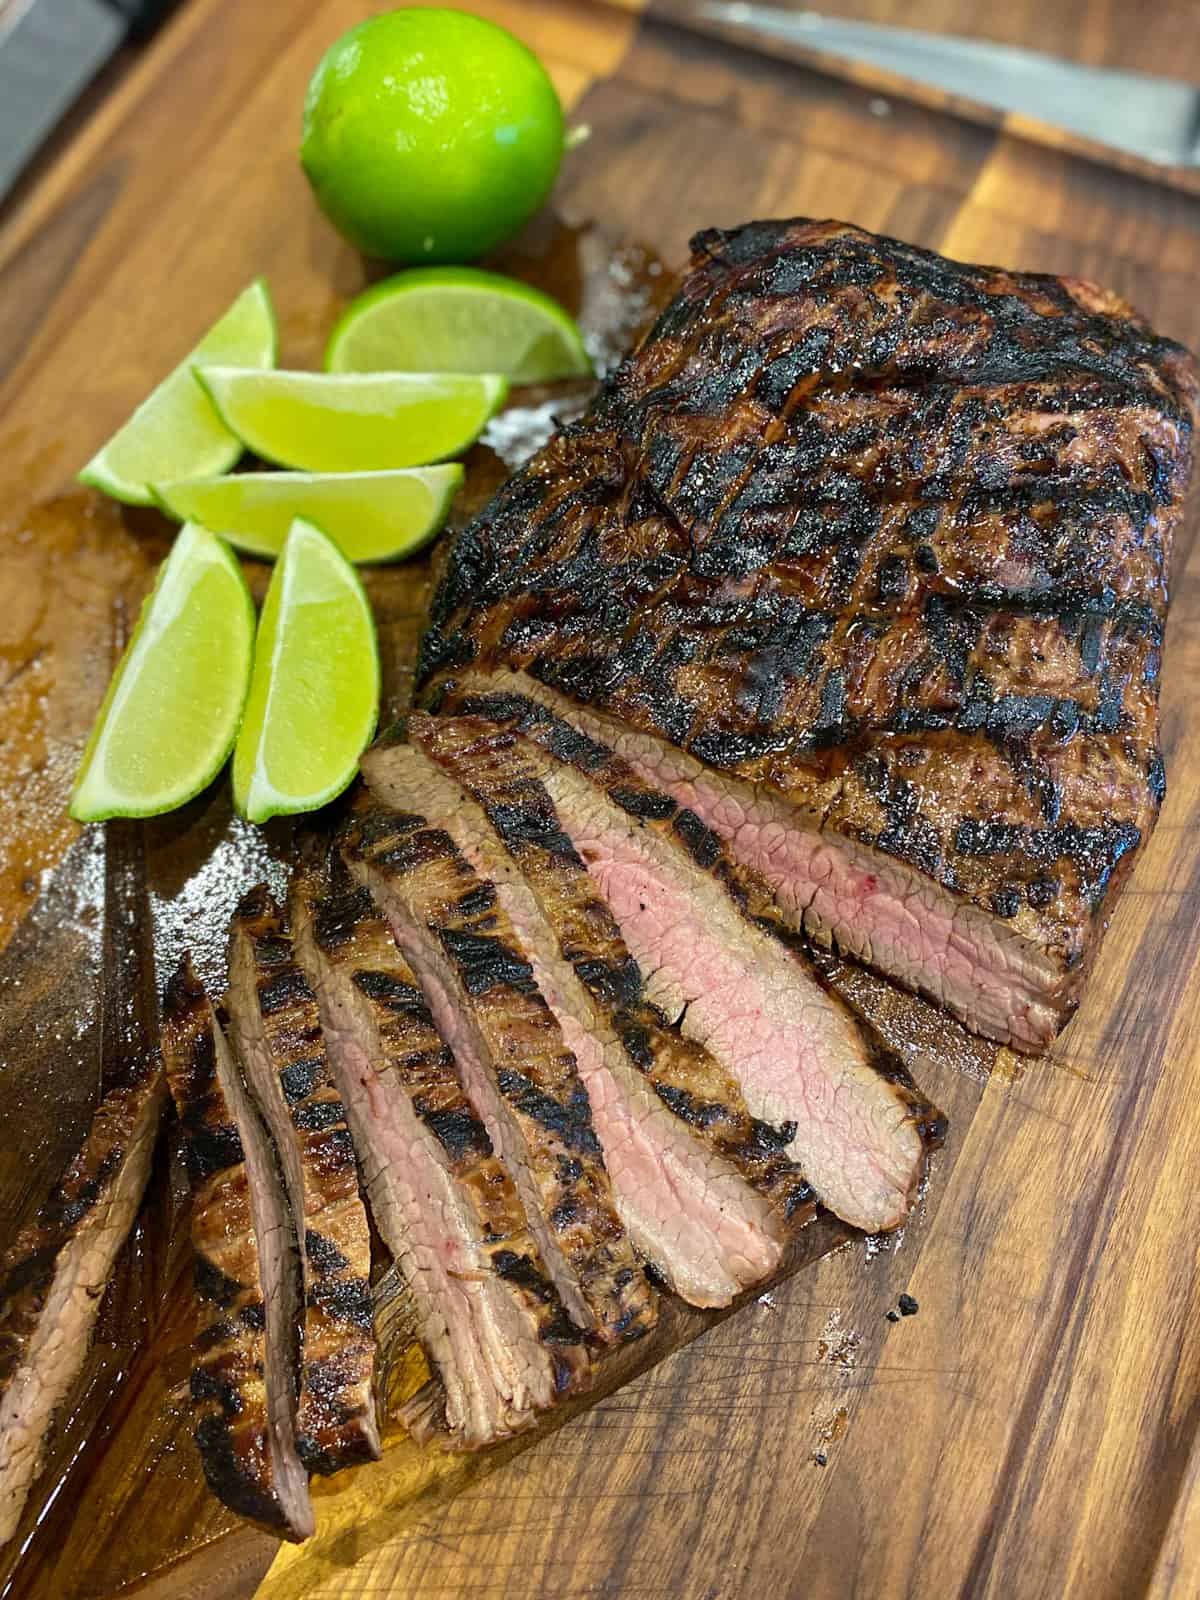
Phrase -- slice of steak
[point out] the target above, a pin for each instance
(247, 1275)
(488, 1316)
(858, 1129)
(52, 1278)
(699, 1184)
(520, 1076)
(868, 551)
(843, 892)
(277, 1031)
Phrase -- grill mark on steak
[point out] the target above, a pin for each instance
(881, 540)
(520, 1076)
(487, 1314)
(247, 1279)
(684, 1199)
(732, 978)
(278, 1034)
(53, 1276)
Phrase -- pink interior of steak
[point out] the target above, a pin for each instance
(710, 1235)
(51, 1361)
(691, 1223)
(495, 1373)
(706, 1230)
(870, 905)
(795, 1051)
(279, 1270)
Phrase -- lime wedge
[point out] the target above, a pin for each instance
(370, 516)
(171, 712)
(175, 433)
(458, 319)
(314, 693)
(354, 422)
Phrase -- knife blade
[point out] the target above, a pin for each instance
(49, 51)
(1152, 119)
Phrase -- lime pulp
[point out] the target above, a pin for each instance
(171, 712)
(314, 692)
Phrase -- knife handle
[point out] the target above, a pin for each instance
(141, 16)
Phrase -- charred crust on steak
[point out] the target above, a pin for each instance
(213, 1284)
(700, 842)
(387, 990)
(457, 1130)
(228, 1474)
(485, 962)
(300, 1078)
(285, 988)
(642, 803)
(849, 497)
(570, 1120)
(339, 916)
(211, 1150)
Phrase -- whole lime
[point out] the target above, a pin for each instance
(430, 135)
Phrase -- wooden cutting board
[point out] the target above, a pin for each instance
(1032, 1430)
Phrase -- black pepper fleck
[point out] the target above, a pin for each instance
(820, 1459)
(893, 1316)
(908, 1306)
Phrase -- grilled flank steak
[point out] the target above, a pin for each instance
(277, 1030)
(521, 1078)
(52, 1279)
(489, 1319)
(829, 1097)
(702, 1188)
(247, 1277)
(863, 556)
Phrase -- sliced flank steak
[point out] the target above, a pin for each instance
(52, 1278)
(863, 555)
(856, 1128)
(490, 1320)
(518, 1073)
(277, 1031)
(701, 1186)
(247, 1275)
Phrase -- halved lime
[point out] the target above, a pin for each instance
(175, 433)
(370, 516)
(354, 422)
(314, 693)
(458, 319)
(171, 712)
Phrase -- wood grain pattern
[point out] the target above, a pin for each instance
(1033, 1430)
